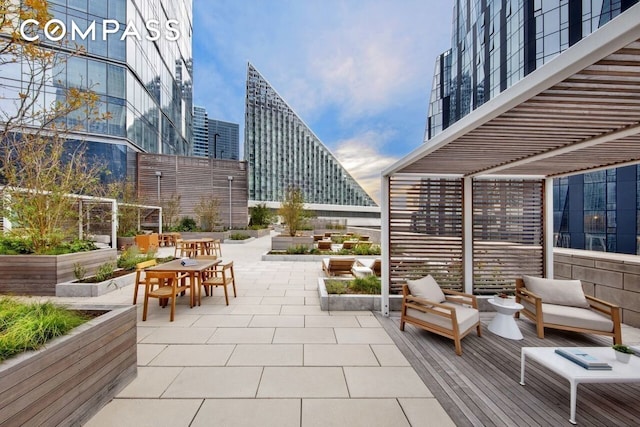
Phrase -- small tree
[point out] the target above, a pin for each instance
(208, 212)
(171, 211)
(292, 210)
(125, 192)
(261, 215)
(39, 165)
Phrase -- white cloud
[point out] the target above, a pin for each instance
(362, 158)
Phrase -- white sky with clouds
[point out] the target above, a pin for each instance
(358, 72)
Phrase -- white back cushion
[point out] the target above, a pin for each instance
(426, 288)
(555, 291)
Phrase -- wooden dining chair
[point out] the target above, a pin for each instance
(222, 276)
(169, 287)
(140, 267)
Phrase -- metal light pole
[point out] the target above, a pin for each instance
(230, 178)
(158, 175)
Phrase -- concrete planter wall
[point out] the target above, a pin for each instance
(252, 233)
(611, 277)
(69, 380)
(281, 243)
(353, 302)
(39, 274)
(74, 289)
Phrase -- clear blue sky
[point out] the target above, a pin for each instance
(358, 72)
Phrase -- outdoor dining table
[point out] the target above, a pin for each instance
(193, 271)
(201, 246)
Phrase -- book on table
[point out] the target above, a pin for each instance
(636, 349)
(583, 358)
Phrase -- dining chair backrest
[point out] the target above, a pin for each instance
(139, 281)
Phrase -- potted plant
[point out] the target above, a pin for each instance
(504, 299)
(623, 352)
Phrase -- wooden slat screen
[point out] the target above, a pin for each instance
(425, 230)
(507, 233)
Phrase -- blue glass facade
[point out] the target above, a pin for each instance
(496, 43)
(227, 144)
(144, 85)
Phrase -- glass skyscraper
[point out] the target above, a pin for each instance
(145, 85)
(283, 152)
(200, 132)
(495, 44)
(226, 145)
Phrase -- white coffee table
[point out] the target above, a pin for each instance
(576, 374)
(503, 323)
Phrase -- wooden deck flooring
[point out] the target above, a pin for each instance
(481, 388)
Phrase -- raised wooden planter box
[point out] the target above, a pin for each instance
(39, 274)
(281, 243)
(350, 302)
(253, 233)
(68, 382)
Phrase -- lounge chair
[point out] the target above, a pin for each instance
(448, 313)
(334, 266)
(349, 244)
(324, 245)
(562, 304)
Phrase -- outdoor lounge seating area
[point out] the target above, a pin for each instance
(562, 304)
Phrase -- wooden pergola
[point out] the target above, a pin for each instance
(474, 205)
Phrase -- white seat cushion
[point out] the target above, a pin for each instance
(467, 317)
(575, 317)
(560, 292)
(426, 288)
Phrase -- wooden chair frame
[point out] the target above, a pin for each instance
(140, 267)
(426, 306)
(221, 275)
(603, 307)
(169, 287)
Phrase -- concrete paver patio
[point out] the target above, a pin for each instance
(270, 358)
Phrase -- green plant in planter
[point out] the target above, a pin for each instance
(79, 271)
(239, 236)
(622, 348)
(105, 271)
(25, 327)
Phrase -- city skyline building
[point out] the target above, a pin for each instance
(495, 44)
(200, 132)
(224, 140)
(144, 85)
(283, 152)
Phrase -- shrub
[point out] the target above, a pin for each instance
(261, 216)
(365, 285)
(336, 287)
(105, 271)
(239, 236)
(297, 250)
(187, 224)
(79, 271)
(367, 250)
(25, 327)
(132, 255)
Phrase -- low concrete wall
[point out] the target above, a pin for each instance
(611, 277)
(346, 302)
(281, 243)
(69, 380)
(373, 233)
(79, 289)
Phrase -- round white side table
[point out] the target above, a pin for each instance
(503, 324)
